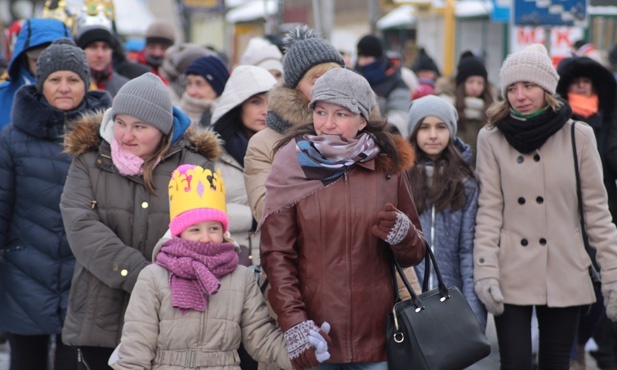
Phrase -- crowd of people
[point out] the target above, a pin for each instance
(165, 209)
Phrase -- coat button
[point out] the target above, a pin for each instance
(124, 273)
(521, 200)
(520, 159)
(536, 157)
(524, 242)
(542, 241)
(144, 205)
(481, 260)
(540, 200)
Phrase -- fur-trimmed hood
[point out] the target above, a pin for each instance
(87, 137)
(289, 106)
(406, 158)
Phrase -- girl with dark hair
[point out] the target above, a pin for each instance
(445, 192)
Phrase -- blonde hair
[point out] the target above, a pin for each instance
(501, 109)
(150, 163)
(319, 69)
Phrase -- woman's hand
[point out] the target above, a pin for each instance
(490, 294)
(393, 225)
(307, 344)
(609, 292)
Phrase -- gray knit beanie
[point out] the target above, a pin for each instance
(304, 49)
(532, 64)
(62, 55)
(147, 99)
(435, 106)
(346, 88)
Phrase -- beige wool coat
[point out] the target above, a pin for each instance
(159, 337)
(527, 226)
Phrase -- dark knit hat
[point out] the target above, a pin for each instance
(425, 63)
(470, 66)
(212, 69)
(62, 55)
(147, 99)
(304, 50)
(88, 34)
(370, 46)
(160, 32)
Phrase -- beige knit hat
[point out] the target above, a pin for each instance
(531, 64)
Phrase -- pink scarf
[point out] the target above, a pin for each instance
(127, 163)
(194, 270)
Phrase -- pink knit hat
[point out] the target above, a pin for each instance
(196, 195)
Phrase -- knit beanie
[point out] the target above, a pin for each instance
(178, 57)
(62, 55)
(147, 99)
(346, 88)
(212, 69)
(532, 64)
(470, 66)
(86, 35)
(196, 195)
(261, 53)
(304, 49)
(370, 46)
(435, 106)
(425, 63)
(160, 32)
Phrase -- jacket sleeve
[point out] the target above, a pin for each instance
(465, 251)
(93, 243)
(412, 249)
(257, 166)
(489, 218)
(7, 185)
(261, 336)
(279, 259)
(141, 325)
(601, 231)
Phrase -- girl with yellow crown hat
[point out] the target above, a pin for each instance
(195, 305)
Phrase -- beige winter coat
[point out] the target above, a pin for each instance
(527, 226)
(157, 336)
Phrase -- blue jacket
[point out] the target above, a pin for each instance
(451, 236)
(36, 263)
(35, 32)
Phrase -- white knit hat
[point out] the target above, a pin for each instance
(531, 64)
(244, 82)
(261, 53)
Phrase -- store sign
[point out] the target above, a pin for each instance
(550, 13)
(562, 39)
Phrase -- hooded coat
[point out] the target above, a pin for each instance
(113, 223)
(36, 263)
(35, 32)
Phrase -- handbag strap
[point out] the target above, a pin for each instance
(579, 193)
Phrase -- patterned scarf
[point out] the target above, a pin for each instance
(194, 270)
(310, 163)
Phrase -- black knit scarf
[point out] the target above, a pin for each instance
(527, 135)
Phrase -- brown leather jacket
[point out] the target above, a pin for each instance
(325, 264)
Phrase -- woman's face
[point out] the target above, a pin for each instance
(332, 119)
(204, 232)
(581, 86)
(474, 86)
(197, 87)
(433, 136)
(254, 111)
(526, 97)
(64, 90)
(135, 136)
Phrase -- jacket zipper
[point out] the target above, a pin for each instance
(348, 247)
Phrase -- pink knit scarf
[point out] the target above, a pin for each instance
(127, 163)
(194, 270)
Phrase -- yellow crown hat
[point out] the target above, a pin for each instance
(196, 195)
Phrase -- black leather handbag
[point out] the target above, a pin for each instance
(436, 330)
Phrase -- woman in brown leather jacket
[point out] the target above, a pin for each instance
(338, 207)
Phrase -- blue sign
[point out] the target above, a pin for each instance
(501, 12)
(550, 13)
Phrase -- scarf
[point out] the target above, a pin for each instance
(311, 163)
(582, 105)
(374, 72)
(100, 77)
(527, 135)
(127, 163)
(236, 146)
(194, 270)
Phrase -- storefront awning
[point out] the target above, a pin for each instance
(253, 10)
(402, 16)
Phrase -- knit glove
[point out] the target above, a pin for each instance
(489, 293)
(319, 343)
(302, 353)
(609, 292)
(393, 225)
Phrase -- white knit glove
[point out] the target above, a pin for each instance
(317, 340)
(302, 353)
(609, 292)
(489, 293)
(393, 225)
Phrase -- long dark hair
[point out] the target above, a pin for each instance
(229, 123)
(450, 172)
(459, 103)
(376, 126)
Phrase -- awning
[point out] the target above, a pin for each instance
(473, 8)
(253, 10)
(402, 16)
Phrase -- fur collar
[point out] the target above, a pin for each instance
(406, 157)
(85, 138)
(289, 105)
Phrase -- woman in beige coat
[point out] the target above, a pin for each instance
(529, 250)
